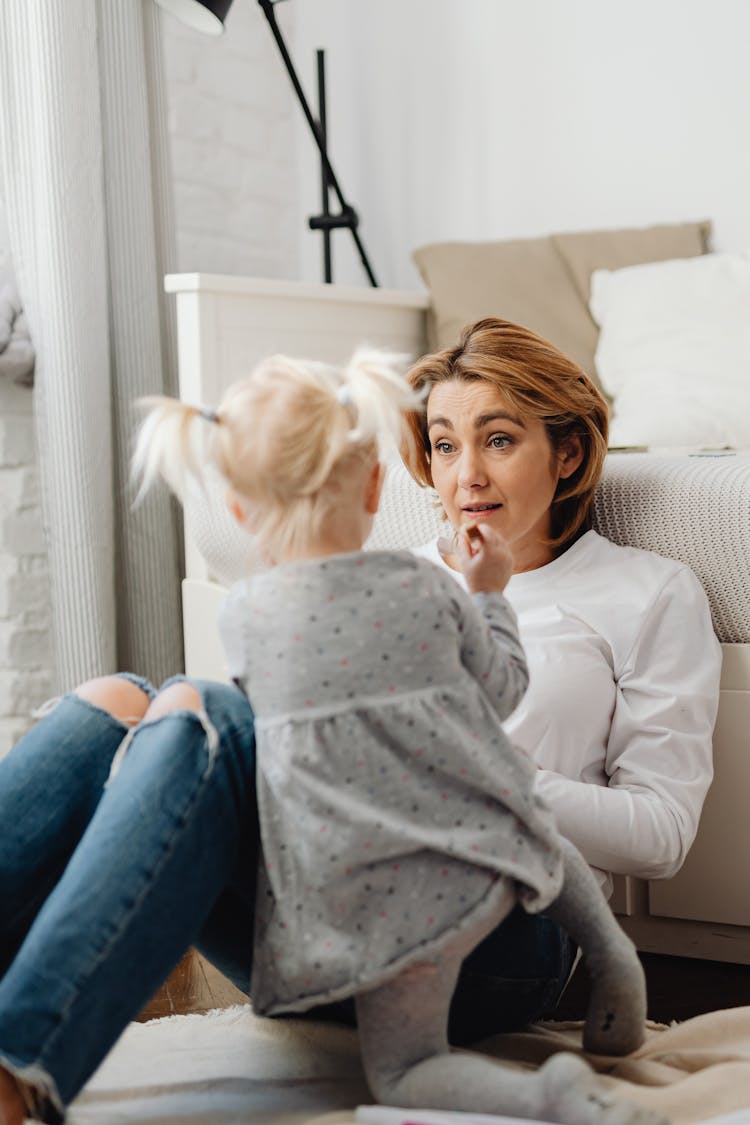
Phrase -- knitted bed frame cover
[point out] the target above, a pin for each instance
(694, 507)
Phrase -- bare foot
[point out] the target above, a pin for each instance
(12, 1107)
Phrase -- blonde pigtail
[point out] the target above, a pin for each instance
(170, 445)
(381, 397)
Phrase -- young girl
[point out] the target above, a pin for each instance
(399, 825)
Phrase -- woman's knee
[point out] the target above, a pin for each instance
(118, 695)
(178, 696)
(222, 709)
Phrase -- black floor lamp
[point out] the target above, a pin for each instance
(208, 16)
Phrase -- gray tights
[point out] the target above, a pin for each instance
(403, 1027)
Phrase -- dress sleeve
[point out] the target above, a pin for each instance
(490, 648)
(659, 753)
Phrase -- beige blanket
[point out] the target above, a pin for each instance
(230, 1067)
(690, 1072)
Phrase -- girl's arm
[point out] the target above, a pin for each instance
(659, 755)
(493, 653)
(490, 647)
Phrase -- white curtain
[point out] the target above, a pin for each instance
(84, 156)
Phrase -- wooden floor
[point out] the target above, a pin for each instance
(194, 986)
(678, 988)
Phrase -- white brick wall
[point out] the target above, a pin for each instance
(25, 673)
(232, 145)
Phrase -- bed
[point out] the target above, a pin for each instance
(690, 504)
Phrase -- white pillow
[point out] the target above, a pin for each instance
(674, 350)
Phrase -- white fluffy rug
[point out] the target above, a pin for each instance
(224, 1068)
(230, 1068)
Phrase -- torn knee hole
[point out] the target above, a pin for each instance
(176, 697)
(174, 703)
(123, 699)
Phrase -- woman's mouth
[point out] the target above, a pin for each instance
(480, 511)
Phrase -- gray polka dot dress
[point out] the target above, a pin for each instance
(393, 809)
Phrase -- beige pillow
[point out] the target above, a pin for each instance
(542, 283)
(587, 251)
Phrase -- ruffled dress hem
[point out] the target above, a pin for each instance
(497, 903)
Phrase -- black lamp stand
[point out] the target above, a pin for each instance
(347, 216)
(318, 222)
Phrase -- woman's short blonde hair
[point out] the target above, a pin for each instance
(540, 382)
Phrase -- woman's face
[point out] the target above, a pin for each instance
(491, 466)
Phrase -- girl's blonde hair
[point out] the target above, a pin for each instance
(540, 382)
(290, 439)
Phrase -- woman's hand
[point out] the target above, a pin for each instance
(485, 558)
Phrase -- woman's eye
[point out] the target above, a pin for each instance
(443, 446)
(499, 441)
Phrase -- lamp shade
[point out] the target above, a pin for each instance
(203, 15)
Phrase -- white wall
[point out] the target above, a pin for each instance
(232, 147)
(25, 673)
(474, 119)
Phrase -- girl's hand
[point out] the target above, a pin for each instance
(485, 558)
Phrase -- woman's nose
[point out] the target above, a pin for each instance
(471, 473)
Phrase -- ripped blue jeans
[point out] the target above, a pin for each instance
(104, 884)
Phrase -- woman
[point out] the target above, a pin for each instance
(625, 664)
(104, 886)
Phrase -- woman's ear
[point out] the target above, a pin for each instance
(374, 488)
(569, 457)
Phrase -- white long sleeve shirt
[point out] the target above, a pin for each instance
(624, 686)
